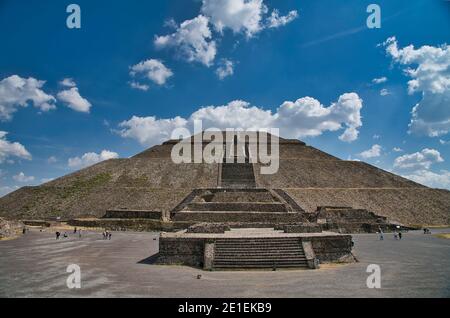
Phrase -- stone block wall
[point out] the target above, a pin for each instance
(181, 251)
(132, 214)
(332, 249)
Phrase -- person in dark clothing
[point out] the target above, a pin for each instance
(400, 235)
(58, 235)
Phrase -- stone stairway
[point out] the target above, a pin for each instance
(238, 175)
(259, 253)
(237, 206)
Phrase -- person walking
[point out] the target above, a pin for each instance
(400, 235)
(109, 236)
(79, 233)
(381, 234)
(58, 235)
(395, 235)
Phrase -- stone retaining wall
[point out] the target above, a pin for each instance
(241, 217)
(190, 251)
(132, 214)
(181, 251)
(332, 249)
(139, 225)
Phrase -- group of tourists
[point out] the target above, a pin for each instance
(398, 235)
(107, 235)
(65, 235)
(426, 231)
(58, 235)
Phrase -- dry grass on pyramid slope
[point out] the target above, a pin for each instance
(413, 206)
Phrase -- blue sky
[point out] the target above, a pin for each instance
(323, 51)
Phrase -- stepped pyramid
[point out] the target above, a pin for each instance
(309, 181)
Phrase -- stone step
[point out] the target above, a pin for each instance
(244, 248)
(259, 240)
(238, 175)
(259, 244)
(271, 254)
(242, 196)
(237, 206)
(249, 260)
(235, 185)
(235, 216)
(258, 266)
(265, 252)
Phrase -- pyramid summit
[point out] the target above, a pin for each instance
(151, 181)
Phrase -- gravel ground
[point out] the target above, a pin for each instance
(35, 266)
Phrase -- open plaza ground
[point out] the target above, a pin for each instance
(35, 264)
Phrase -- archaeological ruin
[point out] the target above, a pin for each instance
(228, 215)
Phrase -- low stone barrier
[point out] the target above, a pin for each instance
(208, 228)
(132, 214)
(190, 251)
(181, 251)
(138, 225)
(302, 228)
(332, 249)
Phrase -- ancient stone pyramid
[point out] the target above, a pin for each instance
(150, 181)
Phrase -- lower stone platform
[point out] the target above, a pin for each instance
(260, 248)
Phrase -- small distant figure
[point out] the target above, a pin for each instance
(395, 235)
(79, 233)
(381, 234)
(400, 235)
(58, 235)
(75, 230)
(24, 230)
(426, 231)
(65, 235)
(104, 235)
(109, 236)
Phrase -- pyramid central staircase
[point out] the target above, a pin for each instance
(259, 253)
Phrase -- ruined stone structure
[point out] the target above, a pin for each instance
(230, 215)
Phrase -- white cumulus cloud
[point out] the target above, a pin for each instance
(68, 82)
(11, 149)
(4, 190)
(139, 86)
(303, 117)
(385, 92)
(238, 15)
(225, 69)
(153, 70)
(373, 152)
(429, 70)
(419, 160)
(431, 179)
(91, 158)
(276, 21)
(16, 92)
(192, 40)
(22, 178)
(72, 98)
(379, 80)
